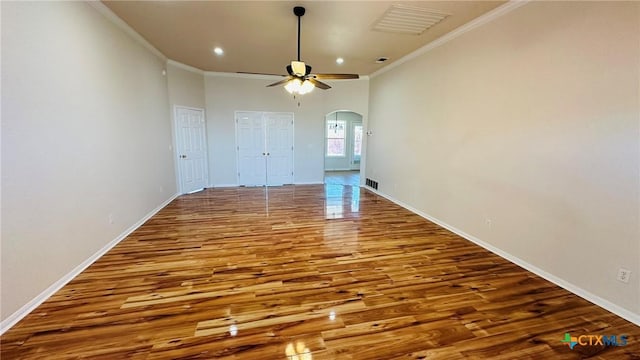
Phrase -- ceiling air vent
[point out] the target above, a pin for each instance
(408, 19)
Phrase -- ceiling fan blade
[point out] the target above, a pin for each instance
(255, 73)
(281, 81)
(335, 76)
(301, 72)
(318, 84)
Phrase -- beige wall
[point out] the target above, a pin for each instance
(530, 123)
(226, 94)
(85, 134)
(186, 87)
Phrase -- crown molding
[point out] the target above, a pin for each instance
(111, 16)
(243, 76)
(185, 67)
(475, 23)
(264, 76)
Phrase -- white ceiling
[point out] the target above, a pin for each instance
(261, 36)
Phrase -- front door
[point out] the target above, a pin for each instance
(191, 149)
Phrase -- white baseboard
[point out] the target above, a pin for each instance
(295, 183)
(593, 298)
(35, 302)
(224, 185)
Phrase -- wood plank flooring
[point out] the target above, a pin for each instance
(351, 178)
(307, 272)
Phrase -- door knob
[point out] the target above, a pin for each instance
(183, 156)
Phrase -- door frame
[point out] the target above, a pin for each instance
(176, 154)
(348, 156)
(352, 146)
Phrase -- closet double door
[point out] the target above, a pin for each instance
(265, 148)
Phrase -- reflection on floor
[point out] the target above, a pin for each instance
(351, 178)
(342, 194)
(341, 201)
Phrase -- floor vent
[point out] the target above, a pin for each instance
(372, 184)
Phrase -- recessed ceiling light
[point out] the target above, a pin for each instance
(218, 51)
(339, 60)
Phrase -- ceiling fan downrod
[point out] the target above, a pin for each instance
(299, 12)
(300, 79)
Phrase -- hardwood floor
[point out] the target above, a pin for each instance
(307, 272)
(351, 178)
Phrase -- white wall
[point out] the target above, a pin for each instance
(85, 134)
(532, 122)
(226, 94)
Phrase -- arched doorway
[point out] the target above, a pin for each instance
(343, 136)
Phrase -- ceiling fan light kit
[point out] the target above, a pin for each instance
(298, 68)
(296, 86)
(300, 80)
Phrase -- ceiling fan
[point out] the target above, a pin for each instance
(300, 79)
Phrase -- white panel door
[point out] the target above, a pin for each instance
(250, 140)
(191, 148)
(279, 148)
(265, 148)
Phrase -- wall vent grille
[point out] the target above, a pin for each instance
(408, 19)
(372, 184)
